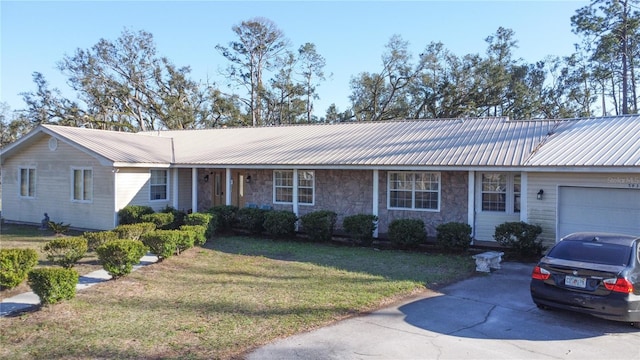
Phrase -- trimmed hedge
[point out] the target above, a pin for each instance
(66, 251)
(178, 217)
(360, 228)
(134, 231)
(163, 221)
(97, 238)
(280, 223)
(521, 237)
(199, 233)
(53, 284)
(119, 256)
(251, 219)
(132, 214)
(15, 265)
(162, 243)
(208, 220)
(319, 225)
(454, 236)
(225, 216)
(407, 232)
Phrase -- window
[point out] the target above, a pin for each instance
(283, 186)
(158, 185)
(82, 184)
(28, 182)
(414, 190)
(501, 191)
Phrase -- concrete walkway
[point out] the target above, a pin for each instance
(28, 300)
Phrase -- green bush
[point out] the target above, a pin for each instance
(360, 228)
(521, 237)
(66, 251)
(134, 231)
(163, 221)
(132, 214)
(97, 238)
(119, 256)
(280, 223)
(407, 232)
(225, 215)
(251, 219)
(162, 243)
(53, 284)
(199, 233)
(178, 217)
(208, 220)
(454, 236)
(15, 264)
(186, 239)
(59, 228)
(319, 225)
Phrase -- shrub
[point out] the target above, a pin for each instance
(97, 238)
(53, 284)
(134, 231)
(225, 216)
(186, 239)
(132, 214)
(163, 243)
(360, 228)
(119, 256)
(251, 219)
(454, 236)
(407, 232)
(66, 251)
(199, 233)
(163, 221)
(208, 220)
(59, 228)
(178, 217)
(319, 225)
(15, 264)
(521, 237)
(280, 223)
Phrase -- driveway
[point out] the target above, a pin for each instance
(486, 317)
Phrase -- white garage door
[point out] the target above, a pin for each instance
(598, 209)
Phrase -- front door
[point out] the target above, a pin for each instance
(218, 187)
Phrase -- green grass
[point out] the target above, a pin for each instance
(224, 299)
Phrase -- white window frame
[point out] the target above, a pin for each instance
(412, 188)
(86, 195)
(29, 181)
(511, 192)
(165, 184)
(278, 185)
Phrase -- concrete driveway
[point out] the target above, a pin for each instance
(486, 317)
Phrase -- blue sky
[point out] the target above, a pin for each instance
(350, 35)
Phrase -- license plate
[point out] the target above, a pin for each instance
(575, 281)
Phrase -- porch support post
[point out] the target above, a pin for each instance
(194, 190)
(524, 199)
(229, 184)
(471, 203)
(295, 196)
(375, 198)
(174, 183)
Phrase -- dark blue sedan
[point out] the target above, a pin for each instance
(593, 273)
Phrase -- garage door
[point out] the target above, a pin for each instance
(598, 209)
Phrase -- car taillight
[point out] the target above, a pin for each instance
(540, 273)
(618, 285)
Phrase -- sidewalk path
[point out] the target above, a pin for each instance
(27, 300)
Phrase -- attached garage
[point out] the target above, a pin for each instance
(598, 209)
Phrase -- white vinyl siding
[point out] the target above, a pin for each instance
(413, 190)
(28, 182)
(81, 184)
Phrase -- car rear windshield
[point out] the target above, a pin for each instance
(592, 252)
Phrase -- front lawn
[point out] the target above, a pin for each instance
(221, 300)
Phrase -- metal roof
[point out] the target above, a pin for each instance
(591, 142)
(475, 142)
